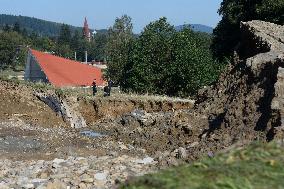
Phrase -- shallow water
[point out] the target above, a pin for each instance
(91, 134)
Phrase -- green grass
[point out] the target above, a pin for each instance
(259, 166)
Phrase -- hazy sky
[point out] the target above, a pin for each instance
(101, 14)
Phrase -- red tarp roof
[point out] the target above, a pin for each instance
(63, 72)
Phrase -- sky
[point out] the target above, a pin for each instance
(101, 14)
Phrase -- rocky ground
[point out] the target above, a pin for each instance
(38, 157)
(73, 172)
(41, 150)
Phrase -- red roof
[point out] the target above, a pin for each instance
(63, 72)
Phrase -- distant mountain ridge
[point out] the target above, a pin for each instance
(52, 29)
(196, 28)
(39, 26)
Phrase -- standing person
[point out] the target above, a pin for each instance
(107, 88)
(106, 91)
(94, 84)
(110, 83)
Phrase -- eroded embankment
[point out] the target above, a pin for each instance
(38, 131)
(19, 101)
(245, 105)
(34, 113)
(118, 105)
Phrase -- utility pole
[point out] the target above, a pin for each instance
(75, 56)
(86, 57)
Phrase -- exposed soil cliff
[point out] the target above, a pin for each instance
(119, 105)
(245, 105)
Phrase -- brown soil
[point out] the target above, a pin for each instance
(107, 108)
(33, 131)
(18, 101)
(238, 109)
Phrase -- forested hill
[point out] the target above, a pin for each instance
(41, 27)
(197, 28)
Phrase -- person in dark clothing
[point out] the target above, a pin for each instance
(110, 83)
(107, 89)
(94, 87)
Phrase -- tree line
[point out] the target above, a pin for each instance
(15, 41)
(160, 60)
(41, 27)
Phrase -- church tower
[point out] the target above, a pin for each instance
(86, 30)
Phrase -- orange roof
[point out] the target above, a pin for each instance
(63, 72)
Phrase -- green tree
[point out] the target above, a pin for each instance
(84, 46)
(12, 50)
(16, 27)
(24, 32)
(193, 65)
(227, 33)
(63, 50)
(46, 44)
(63, 44)
(7, 28)
(120, 37)
(75, 39)
(151, 58)
(65, 35)
(75, 45)
(79, 45)
(164, 61)
(99, 46)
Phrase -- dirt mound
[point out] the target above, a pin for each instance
(240, 105)
(245, 105)
(19, 101)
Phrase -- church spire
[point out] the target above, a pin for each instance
(86, 30)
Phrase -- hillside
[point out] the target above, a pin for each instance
(41, 27)
(197, 28)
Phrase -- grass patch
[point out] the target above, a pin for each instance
(257, 166)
